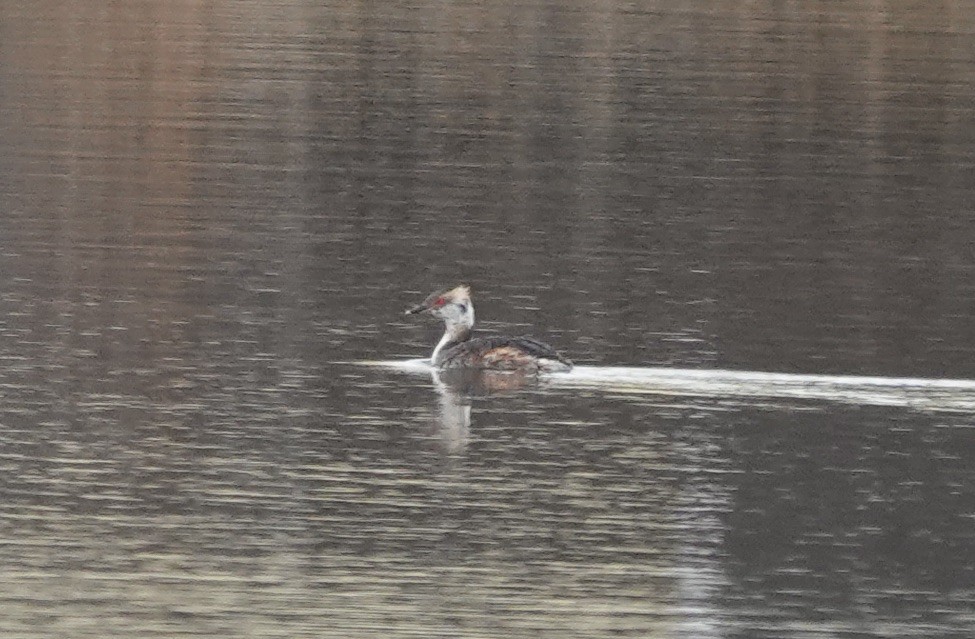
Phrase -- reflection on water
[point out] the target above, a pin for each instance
(208, 210)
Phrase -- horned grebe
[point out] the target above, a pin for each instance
(458, 350)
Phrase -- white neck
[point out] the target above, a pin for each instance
(446, 339)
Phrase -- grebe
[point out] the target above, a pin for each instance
(458, 350)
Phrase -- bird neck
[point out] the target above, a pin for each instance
(455, 334)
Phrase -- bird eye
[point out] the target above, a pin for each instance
(463, 308)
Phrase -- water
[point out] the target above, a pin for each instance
(749, 227)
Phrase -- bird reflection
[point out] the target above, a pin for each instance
(457, 389)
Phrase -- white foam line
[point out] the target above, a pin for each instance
(653, 374)
(407, 365)
(956, 395)
(953, 395)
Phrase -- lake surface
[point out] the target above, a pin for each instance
(752, 229)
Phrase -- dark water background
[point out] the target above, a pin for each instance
(209, 209)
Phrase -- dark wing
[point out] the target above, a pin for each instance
(537, 349)
(501, 353)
